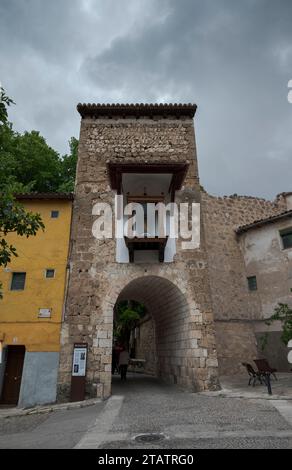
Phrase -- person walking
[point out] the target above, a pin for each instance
(123, 363)
(115, 357)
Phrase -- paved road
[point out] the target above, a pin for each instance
(143, 405)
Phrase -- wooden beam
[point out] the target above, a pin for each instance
(116, 171)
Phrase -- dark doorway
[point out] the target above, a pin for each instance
(13, 375)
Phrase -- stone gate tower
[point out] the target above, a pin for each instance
(145, 153)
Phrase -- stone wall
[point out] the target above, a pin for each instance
(227, 268)
(275, 351)
(146, 345)
(236, 343)
(234, 308)
(96, 281)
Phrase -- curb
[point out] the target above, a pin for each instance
(48, 409)
(229, 394)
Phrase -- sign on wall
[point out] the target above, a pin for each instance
(45, 313)
(78, 377)
(79, 361)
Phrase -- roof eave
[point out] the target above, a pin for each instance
(44, 196)
(261, 223)
(136, 110)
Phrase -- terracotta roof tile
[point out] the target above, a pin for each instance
(261, 222)
(137, 110)
(68, 196)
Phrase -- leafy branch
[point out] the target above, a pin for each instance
(128, 315)
(5, 101)
(283, 313)
(14, 219)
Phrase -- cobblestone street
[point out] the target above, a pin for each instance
(144, 405)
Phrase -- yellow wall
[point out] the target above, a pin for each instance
(19, 321)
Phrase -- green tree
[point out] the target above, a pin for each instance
(128, 315)
(13, 217)
(283, 313)
(37, 163)
(7, 143)
(5, 102)
(68, 167)
(7, 160)
(28, 159)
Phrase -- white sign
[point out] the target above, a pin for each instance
(45, 313)
(79, 362)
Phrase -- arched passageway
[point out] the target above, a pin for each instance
(172, 344)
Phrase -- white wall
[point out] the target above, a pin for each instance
(265, 258)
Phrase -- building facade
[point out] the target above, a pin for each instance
(266, 246)
(238, 250)
(206, 306)
(201, 310)
(146, 153)
(33, 288)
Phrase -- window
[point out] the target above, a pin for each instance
(18, 281)
(286, 236)
(252, 283)
(50, 273)
(54, 214)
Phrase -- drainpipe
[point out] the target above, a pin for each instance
(68, 266)
(66, 292)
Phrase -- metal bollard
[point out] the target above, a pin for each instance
(268, 383)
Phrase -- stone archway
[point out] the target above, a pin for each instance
(176, 342)
(185, 340)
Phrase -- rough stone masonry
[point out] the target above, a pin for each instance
(176, 294)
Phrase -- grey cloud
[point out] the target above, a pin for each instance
(225, 56)
(233, 58)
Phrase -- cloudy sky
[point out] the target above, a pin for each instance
(233, 58)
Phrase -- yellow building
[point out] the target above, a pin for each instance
(34, 287)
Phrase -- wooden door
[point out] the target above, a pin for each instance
(13, 375)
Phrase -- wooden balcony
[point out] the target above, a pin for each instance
(151, 243)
